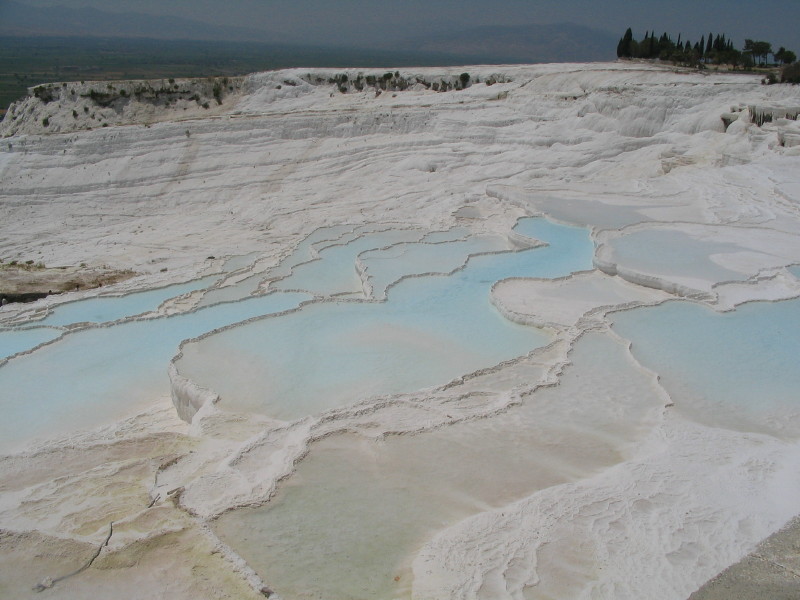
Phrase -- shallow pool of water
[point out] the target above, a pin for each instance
(249, 285)
(328, 354)
(349, 522)
(98, 375)
(385, 267)
(110, 308)
(19, 339)
(431, 330)
(335, 270)
(737, 369)
(229, 293)
(673, 253)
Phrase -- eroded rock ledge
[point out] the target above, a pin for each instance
(29, 282)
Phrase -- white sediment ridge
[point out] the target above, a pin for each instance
(573, 468)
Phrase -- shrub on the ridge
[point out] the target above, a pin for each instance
(791, 73)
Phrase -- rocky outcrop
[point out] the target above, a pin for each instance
(187, 396)
(760, 114)
(79, 106)
(396, 81)
(63, 107)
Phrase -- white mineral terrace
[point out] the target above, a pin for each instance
(531, 339)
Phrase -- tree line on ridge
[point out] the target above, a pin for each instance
(717, 50)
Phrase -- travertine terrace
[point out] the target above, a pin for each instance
(688, 195)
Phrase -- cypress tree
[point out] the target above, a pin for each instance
(624, 46)
(718, 49)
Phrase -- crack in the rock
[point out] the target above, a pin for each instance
(47, 583)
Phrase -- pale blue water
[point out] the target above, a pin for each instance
(451, 235)
(430, 330)
(234, 263)
(737, 369)
(335, 272)
(387, 266)
(542, 229)
(795, 270)
(302, 253)
(229, 293)
(97, 375)
(110, 308)
(673, 252)
(92, 310)
(356, 511)
(19, 340)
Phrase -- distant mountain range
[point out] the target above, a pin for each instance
(22, 20)
(562, 42)
(490, 44)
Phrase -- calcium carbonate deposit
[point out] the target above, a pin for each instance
(528, 333)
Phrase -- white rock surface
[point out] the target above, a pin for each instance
(562, 302)
(620, 148)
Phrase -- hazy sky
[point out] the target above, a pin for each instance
(361, 22)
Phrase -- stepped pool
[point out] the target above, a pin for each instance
(100, 309)
(352, 518)
(104, 309)
(18, 339)
(345, 347)
(350, 521)
(99, 375)
(430, 330)
(736, 369)
(359, 312)
(688, 260)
